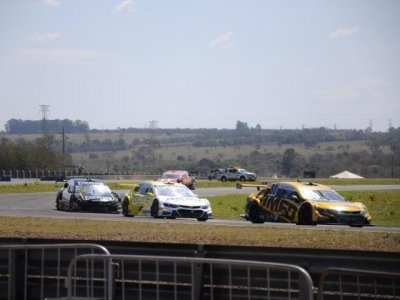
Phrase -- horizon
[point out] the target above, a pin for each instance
(123, 63)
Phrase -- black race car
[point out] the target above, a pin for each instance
(87, 194)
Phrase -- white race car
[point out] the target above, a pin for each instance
(169, 200)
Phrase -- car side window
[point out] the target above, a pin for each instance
(273, 190)
(143, 189)
(281, 193)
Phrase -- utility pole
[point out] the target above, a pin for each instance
(153, 127)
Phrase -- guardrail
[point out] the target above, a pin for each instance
(338, 283)
(152, 277)
(35, 270)
(38, 271)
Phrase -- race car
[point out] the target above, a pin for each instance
(165, 199)
(304, 204)
(87, 194)
(179, 176)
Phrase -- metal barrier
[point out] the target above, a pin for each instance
(154, 277)
(38, 271)
(337, 283)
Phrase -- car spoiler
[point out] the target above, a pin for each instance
(239, 186)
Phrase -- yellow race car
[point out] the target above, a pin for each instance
(303, 204)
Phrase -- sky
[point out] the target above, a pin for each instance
(202, 64)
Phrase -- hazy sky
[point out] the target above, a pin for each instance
(202, 64)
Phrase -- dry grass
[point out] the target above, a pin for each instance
(202, 233)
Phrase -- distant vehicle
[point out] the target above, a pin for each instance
(303, 204)
(87, 194)
(234, 174)
(166, 200)
(179, 176)
(215, 173)
(5, 178)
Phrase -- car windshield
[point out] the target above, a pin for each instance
(321, 195)
(98, 189)
(173, 191)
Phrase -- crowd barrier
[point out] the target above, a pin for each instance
(90, 271)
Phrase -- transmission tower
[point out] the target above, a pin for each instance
(44, 111)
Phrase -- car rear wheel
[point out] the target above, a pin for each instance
(223, 179)
(255, 215)
(154, 209)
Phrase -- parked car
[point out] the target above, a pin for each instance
(234, 174)
(179, 176)
(303, 204)
(165, 199)
(87, 194)
(215, 173)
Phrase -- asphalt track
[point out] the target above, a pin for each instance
(42, 205)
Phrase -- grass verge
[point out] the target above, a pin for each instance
(202, 233)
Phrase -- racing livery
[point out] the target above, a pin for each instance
(303, 204)
(86, 194)
(165, 199)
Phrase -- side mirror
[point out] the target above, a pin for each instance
(150, 194)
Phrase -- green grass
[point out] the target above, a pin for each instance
(382, 205)
(196, 233)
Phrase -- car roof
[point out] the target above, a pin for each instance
(160, 183)
(87, 180)
(308, 185)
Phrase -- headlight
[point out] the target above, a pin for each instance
(170, 205)
(204, 207)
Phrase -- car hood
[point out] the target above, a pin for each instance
(344, 206)
(97, 197)
(190, 201)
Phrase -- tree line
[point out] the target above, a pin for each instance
(46, 152)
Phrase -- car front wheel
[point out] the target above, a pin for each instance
(125, 208)
(305, 216)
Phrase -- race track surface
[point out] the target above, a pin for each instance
(43, 205)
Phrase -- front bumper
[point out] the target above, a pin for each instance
(181, 212)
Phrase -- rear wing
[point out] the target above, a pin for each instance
(239, 186)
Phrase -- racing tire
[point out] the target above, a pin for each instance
(59, 196)
(305, 216)
(72, 205)
(125, 209)
(242, 178)
(255, 215)
(202, 219)
(223, 179)
(154, 209)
